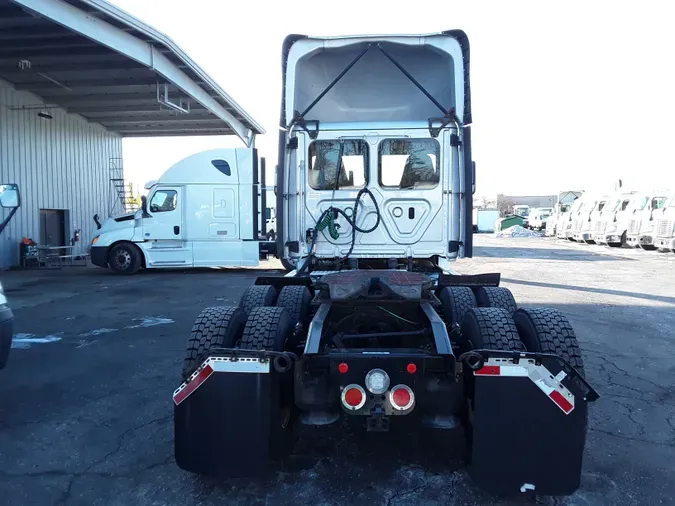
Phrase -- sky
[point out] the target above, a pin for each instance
(565, 95)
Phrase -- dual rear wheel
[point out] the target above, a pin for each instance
(489, 318)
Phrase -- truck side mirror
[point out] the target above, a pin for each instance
(144, 205)
(10, 198)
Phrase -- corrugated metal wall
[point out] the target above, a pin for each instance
(60, 163)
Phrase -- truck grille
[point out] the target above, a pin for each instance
(598, 226)
(633, 227)
(664, 228)
(577, 225)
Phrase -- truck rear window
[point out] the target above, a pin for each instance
(323, 164)
(409, 163)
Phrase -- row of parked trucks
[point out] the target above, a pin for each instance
(644, 219)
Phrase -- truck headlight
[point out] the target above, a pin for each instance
(94, 240)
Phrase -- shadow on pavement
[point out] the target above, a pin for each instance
(606, 291)
(543, 254)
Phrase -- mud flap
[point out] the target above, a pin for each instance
(528, 427)
(223, 415)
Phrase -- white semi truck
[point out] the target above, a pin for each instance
(561, 210)
(611, 225)
(641, 225)
(665, 226)
(202, 212)
(374, 200)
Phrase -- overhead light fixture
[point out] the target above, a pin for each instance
(44, 115)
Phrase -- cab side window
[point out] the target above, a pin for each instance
(163, 201)
(658, 202)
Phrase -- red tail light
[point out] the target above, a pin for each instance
(353, 397)
(401, 397)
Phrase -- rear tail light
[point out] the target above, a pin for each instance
(401, 397)
(353, 397)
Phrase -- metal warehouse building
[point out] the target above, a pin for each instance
(75, 78)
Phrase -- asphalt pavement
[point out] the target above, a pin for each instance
(86, 410)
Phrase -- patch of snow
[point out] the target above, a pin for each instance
(97, 332)
(25, 341)
(517, 231)
(150, 321)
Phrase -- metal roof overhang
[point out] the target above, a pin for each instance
(93, 59)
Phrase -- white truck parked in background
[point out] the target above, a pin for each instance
(523, 211)
(561, 210)
(582, 227)
(565, 227)
(613, 222)
(665, 226)
(539, 217)
(202, 212)
(641, 231)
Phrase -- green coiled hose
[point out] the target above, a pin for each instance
(328, 221)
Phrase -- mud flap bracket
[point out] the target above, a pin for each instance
(223, 414)
(528, 423)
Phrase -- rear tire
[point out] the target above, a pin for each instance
(258, 296)
(457, 301)
(496, 296)
(124, 258)
(215, 327)
(549, 331)
(295, 300)
(491, 328)
(267, 328)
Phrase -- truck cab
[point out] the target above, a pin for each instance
(538, 217)
(641, 227)
(566, 220)
(665, 226)
(202, 212)
(562, 207)
(583, 221)
(613, 221)
(392, 165)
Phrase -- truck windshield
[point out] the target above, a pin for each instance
(323, 164)
(409, 163)
(612, 205)
(640, 203)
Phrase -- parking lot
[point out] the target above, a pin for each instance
(86, 410)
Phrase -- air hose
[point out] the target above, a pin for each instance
(327, 220)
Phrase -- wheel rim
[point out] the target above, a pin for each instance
(122, 259)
